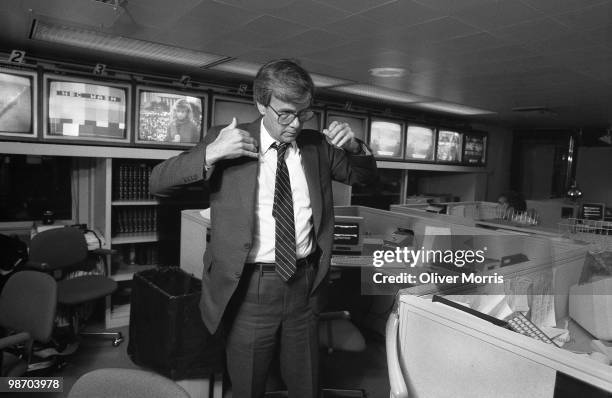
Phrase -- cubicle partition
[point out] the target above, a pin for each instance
(507, 253)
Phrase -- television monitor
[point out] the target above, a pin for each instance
(225, 108)
(348, 234)
(420, 143)
(593, 211)
(474, 149)
(449, 146)
(358, 123)
(18, 100)
(80, 109)
(169, 117)
(386, 138)
(316, 122)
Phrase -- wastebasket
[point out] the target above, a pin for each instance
(166, 330)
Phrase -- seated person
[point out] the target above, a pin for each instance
(511, 203)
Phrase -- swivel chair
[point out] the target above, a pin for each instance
(133, 383)
(27, 312)
(63, 250)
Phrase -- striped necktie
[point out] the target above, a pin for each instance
(282, 211)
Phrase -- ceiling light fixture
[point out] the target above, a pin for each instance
(387, 72)
(99, 41)
(380, 93)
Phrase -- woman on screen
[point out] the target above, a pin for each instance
(182, 127)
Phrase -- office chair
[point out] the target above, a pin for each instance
(65, 249)
(133, 383)
(27, 310)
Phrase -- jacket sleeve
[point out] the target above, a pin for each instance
(185, 168)
(351, 168)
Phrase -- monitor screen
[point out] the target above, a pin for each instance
(474, 151)
(17, 103)
(420, 143)
(358, 123)
(169, 117)
(90, 110)
(449, 146)
(314, 123)
(386, 139)
(225, 108)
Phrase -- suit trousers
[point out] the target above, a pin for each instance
(270, 316)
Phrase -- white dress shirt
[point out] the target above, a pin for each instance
(264, 237)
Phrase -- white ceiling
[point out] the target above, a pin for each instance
(490, 54)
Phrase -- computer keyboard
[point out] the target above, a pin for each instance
(521, 324)
(351, 261)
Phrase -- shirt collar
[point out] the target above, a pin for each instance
(267, 140)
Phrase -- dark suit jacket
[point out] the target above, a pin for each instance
(232, 187)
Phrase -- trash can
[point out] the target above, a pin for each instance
(166, 330)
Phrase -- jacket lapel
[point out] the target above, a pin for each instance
(310, 163)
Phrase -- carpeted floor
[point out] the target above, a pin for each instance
(366, 370)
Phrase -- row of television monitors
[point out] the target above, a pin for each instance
(79, 109)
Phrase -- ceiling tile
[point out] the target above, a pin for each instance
(469, 43)
(355, 6)
(498, 14)
(588, 18)
(344, 52)
(307, 42)
(562, 43)
(602, 35)
(310, 13)
(357, 26)
(450, 6)
(273, 27)
(319, 38)
(211, 12)
(193, 33)
(536, 30)
(560, 6)
(256, 5)
(82, 12)
(401, 13)
(433, 31)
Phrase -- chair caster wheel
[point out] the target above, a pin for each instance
(117, 341)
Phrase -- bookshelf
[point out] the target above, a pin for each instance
(144, 231)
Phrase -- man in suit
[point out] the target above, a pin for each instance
(272, 227)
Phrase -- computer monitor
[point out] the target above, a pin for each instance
(82, 109)
(386, 138)
(348, 234)
(449, 146)
(169, 117)
(358, 123)
(593, 211)
(18, 101)
(225, 108)
(475, 149)
(420, 143)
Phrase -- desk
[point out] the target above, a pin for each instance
(509, 226)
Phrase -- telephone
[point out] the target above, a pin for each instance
(401, 237)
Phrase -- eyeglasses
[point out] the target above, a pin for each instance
(286, 118)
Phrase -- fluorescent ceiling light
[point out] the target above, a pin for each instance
(380, 93)
(387, 72)
(99, 41)
(453, 108)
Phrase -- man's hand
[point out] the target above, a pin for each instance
(342, 136)
(231, 143)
